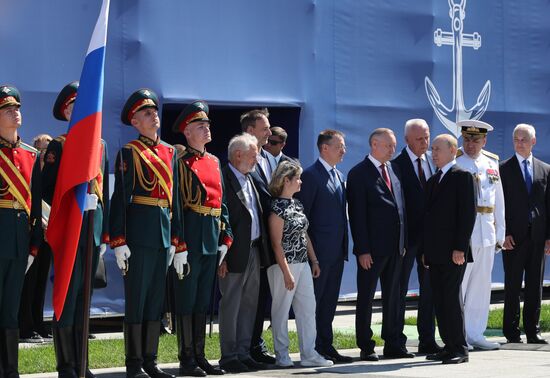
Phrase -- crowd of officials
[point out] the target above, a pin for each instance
(267, 228)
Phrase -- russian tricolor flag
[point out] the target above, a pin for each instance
(79, 164)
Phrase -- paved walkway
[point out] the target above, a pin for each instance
(513, 360)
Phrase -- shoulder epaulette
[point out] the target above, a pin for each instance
(28, 147)
(490, 154)
(459, 153)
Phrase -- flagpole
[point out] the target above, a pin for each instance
(87, 295)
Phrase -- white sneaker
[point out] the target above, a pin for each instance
(316, 361)
(485, 345)
(470, 347)
(284, 362)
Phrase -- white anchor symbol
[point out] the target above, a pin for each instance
(457, 39)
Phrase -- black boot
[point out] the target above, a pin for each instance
(2, 351)
(11, 350)
(78, 349)
(65, 353)
(186, 355)
(11, 353)
(199, 336)
(151, 334)
(134, 351)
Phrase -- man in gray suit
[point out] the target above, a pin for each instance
(239, 270)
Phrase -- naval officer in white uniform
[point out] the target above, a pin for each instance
(489, 230)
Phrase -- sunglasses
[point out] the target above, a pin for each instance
(274, 142)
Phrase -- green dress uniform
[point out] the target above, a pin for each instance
(20, 232)
(67, 330)
(144, 216)
(205, 228)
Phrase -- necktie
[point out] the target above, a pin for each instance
(436, 179)
(421, 175)
(336, 182)
(385, 175)
(528, 178)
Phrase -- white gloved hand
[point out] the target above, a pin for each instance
(122, 255)
(171, 253)
(223, 251)
(180, 260)
(91, 202)
(102, 249)
(29, 263)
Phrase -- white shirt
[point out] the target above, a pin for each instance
(264, 165)
(489, 228)
(330, 169)
(273, 160)
(251, 202)
(424, 162)
(377, 164)
(446, 168)
(529, 165)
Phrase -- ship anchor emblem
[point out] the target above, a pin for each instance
(457, 39)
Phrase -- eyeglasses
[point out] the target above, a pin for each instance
(274, 142)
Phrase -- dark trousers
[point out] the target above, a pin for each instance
(529, 258)
(387, 269)
(327, 290)
(426, 314)
(144, 284)
(12, 275)
(194, 292)
(31, 309)
(449, 309)
(72, 314)
(264, 296)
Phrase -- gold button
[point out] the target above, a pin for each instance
(15, 151)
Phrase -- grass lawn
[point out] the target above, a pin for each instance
(110, 353)
(495, 319)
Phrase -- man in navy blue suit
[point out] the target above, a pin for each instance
(324, 200)
(377, 220)
(416, 168)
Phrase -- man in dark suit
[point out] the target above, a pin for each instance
(256, 123)
(449, 218)
(416, 168)
(239, 270)
(377, 220)
(525, 181)
(274, 147)
(324, 199)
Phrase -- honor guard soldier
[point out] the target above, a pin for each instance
(20, 226)
(67, 330)
(145, 230)
(206, 230)
(488, 235)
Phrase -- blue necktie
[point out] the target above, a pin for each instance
(528, 179)
(336, 182)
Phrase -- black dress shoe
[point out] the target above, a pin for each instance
(439, 356)
(253, 365)
(397, 353)
(455, 359)
(514, 340)
(235, 366)
(429, 348)
(191, 371)
(263, 357)
(537, 339)
(209, 369)
(336, 357)
(368, 356)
